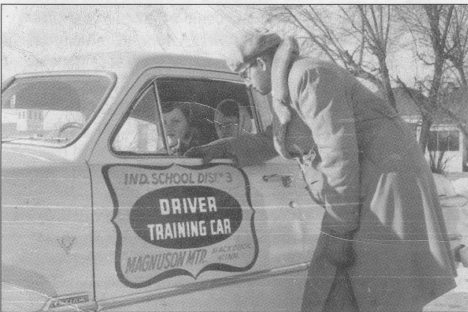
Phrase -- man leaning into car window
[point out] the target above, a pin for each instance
(378, 192)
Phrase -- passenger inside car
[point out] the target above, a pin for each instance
(182, 132)
(231, 119)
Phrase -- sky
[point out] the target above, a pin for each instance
(32, 32)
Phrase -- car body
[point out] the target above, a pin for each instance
(97, 215)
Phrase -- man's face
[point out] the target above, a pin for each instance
(176, 126)
(258, 76)
(226, 127)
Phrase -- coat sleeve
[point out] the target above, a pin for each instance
(253, 149)
(318, 94)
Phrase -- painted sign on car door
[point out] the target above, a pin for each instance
(180, 220)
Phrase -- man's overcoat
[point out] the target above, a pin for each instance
(373, 178)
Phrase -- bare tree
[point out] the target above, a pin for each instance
(376, 22)
(455, 96)
(437, 35)
(361, 37)
(458, 41)
(354, 36)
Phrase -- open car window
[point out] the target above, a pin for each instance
(173, 115)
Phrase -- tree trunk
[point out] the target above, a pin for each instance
(461, 72)
(386, 83)
(425, 131)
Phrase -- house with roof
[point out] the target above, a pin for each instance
(445, 141)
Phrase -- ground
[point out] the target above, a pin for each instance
(455, 210)
(455, 300)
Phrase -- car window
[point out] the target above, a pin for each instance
(175, 114)
(51, 109)
(141, 131)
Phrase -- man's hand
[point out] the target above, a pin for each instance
(279, 138)
(208, 152)
(339, 249)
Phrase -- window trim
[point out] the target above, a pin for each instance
(437, 132)
(145, 88)
(153, 81)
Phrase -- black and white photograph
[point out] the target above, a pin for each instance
(234, 157)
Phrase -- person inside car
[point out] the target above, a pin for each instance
(181, 132)
(227, 119)
(231, 119)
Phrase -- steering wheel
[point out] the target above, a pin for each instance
(68, 125)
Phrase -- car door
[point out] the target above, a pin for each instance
(279, 173)
(172, 234)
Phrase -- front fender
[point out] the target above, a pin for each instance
(24, 290)
(46, 234)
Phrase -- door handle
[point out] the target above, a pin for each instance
(286, 179)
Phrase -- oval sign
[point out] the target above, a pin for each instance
(182, 217)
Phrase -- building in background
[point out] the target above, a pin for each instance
(447, 147)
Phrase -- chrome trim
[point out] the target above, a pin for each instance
(107, 73)
(174, 291)
(81, 307)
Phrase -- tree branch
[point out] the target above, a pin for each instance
(311, 35)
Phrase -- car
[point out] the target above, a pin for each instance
(99, 214)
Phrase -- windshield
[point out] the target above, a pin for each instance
(51, 109)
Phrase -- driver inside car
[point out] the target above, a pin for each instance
(181, 132)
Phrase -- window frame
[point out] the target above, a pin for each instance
(111, 76)
(150, 86)
(152, 82)
(446, 141)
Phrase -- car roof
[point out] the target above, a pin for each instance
(127, 63)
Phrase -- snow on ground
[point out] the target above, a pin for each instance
(454, 200)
